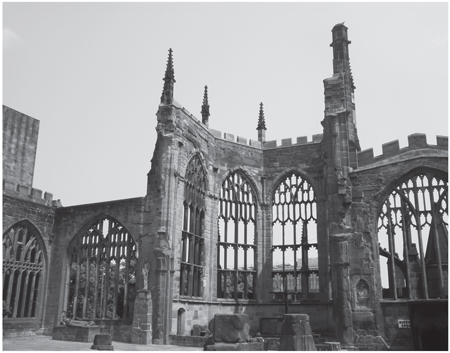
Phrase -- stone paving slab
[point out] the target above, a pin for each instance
(45, 343)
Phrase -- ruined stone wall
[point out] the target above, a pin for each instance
(180, 137)
(69, 222)
(371, 184)
(40, 214)
(20, 136)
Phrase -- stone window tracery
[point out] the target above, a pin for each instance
(236, 254)
(192, 241)
(101, 272)
(413, 239)
(294, 251)
(23, 267)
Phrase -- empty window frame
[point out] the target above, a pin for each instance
(294, 251)
(192, 241)
(101, 272)
(23, 267)
(236, 255)
(413, 239)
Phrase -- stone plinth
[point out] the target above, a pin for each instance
(231, 334)
(142, 321)
(75, 333)
(102, 343)
(231, 328)
(296, 333)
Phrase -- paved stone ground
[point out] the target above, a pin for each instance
(45, 343)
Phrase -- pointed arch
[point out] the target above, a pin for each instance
(237, 250)
(249, 178)
(101, 272)
(295, 262)
(412, 222)
(24, 271)
(192, 242)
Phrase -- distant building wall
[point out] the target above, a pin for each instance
(20, 136)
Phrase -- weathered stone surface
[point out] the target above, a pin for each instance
(296, 333)
(102, 342)
(75, 333)
(231, 328)
(246, 346)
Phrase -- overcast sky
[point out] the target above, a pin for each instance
(92, 74)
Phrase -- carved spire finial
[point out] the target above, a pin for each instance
(205, 107)
(169, 80)
(261, 120)
(261, 125)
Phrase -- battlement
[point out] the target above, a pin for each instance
(29, 194)
(268, 144)
(390, 149)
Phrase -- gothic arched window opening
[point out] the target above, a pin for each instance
(23, 267)
(294, 251)
(237, 235)
(192, 242)
(101, 272)
(413, 239)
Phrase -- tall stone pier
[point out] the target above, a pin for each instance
(142, 321)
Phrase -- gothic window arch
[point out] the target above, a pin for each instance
(236, 253)
(101, 273)
(294, 249)
(23, 271)
(413, 238)
(192, 242)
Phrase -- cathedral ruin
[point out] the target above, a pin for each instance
(235, 226)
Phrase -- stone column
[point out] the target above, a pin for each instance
(342, 289)
(142, 319)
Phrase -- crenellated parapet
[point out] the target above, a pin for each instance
(267, 144)
(31, 194)
(392, 149)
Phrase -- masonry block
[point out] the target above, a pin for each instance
(216, 133)
(228, 136)
(242, 140)
(296, 333)
(286, 142)
(36, 193)
(23, 190)
(48, 196)
(302, 140)
(254, 143)
(365, 157)
(391, 148)
(417, 140)
(270, 144)
(231, 328)
(442, 141)
(9, 185)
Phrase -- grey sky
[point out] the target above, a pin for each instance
(92, 74)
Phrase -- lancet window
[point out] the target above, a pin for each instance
(192, 242)
(236, 255)
(101, 272)
(23, 269)
(294, 251)
(413, 239)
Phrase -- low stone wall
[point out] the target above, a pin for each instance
(21, 327)
(188, 341)
(120, 330)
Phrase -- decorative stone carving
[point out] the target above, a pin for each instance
(362, 293)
